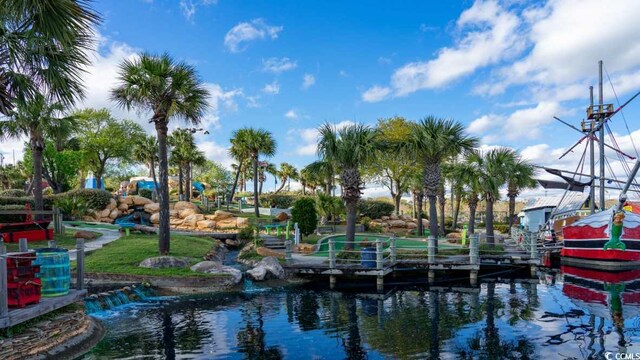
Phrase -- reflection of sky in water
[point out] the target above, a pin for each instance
(308, 324)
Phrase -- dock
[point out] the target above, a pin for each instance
(13, 316)
(391, 261)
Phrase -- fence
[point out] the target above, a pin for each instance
(56, 216)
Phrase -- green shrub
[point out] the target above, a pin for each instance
(304, 213)
(503, 228)
(13, 193)
(12, 218)
(73, 207)
(146, 193)
(247, 234)
(96, 199)
(365, 221)
(280, 201)
(22, 201)
(375, 209)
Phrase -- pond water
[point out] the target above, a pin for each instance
(578, 314)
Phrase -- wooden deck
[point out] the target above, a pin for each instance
(46, 305)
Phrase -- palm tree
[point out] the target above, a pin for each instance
(490, 169)
(455, 173)
(44, 45)
(416, 186)
(435, 140)
(286, 172)
(349, 149)
(146, 151)
(168, 89)
(323, 172)
(240, 152)
(258, 142)
(35, 119)
(270, 169)
(519, 177)
(441, 204)
(193, 157)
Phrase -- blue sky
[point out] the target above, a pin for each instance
(502, 68)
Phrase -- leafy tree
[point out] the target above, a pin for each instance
(103, 138)
(185, 154)
(240, 152)
(145, 151)
(349, 148)
(519, 177)
(286, 173)
(168, 89)
(436, 140)
(328, 206)
(213, 174)
(13, 176)
(304, 213)
(263, 170)
(258, 142)
(59, 166)
(454, 172)
(416, 186)
(394, 161)
(44, 45)
(320, 174)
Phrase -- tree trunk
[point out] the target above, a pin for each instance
(352, 208)
(235, 182)
(163, 193)
(396, 202)
(441, 205)
(433, 218)
(473, 205)
(187, 185)
(262, 179)
(283, 182)
(82, 178)
(37, 177)
(489, 222)
(419, 199)
(512, 209)
(456, 210)
(180, 188)
(256, 200)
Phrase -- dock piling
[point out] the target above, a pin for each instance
(393, 249)
(287, 252)
(332, 254)
(473, 249)
(379, 254)
(431, 250)
(80, 264)
(4, 300)
(52, 244)
(22, 245)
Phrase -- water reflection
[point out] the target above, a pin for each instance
(578, 315)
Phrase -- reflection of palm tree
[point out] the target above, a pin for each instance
(168, 335)
(191, 332)
(353, 343)
(251, 339)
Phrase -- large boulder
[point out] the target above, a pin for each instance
(155, 218)
(384, 218)
(393, 217)
(105, 213)
(305, 248)
(265, 251)
(192, 220)
(83, 234)
(205, 224)
(226, 223)
(412, 225)
(397, 223)
(114, 214)
(173, 213)
(173, 221)
(215, 268)
(123, 207)
(161, 262)
(242, 222)
(406, 217)
(283, 216)
(183, 205)
(269, 267)
(221, 215)
(140, 201)
(185, 213)
(152, 208)
(112, 204)
(125, 200)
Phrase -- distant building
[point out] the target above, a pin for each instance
(538, 211)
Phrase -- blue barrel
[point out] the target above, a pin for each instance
(368, 257)
(54, 271)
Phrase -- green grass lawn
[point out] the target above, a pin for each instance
(65, 240)
(125, 254)
(92, 225)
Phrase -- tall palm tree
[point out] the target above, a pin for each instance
(146, 151)
(36, 120)
(435, 140)
(519, 177)
(441, 205)
(323, 172)
(349, 148)
(193, 157)
(490, 167)
(44, 45)
(240, 153)
(455, 173)
(169, 89)
(416, 186)
(269, 169)
(286, 173)
(259, 142)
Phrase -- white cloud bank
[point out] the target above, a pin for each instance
(256, 29)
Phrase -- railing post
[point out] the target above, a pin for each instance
(287, 252)
(431, 250)
(52, 244)
(296, 234)
(4, 300)
(22, 245)
(332, 254)
(533, 246)
(473, 249)
(379, 254)
(80, 264)
(392, 247)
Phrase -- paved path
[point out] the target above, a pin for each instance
(107, 237)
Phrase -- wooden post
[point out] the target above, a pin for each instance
(379, 254)
(80, 264)
(22, 245)
(287, 252)
(332, 282)
(332, 254)
(473, 249)
(380, 283)
(394, 250)
(533, 246)
(4, 300)
(52, 244)
(431, 250)
(296, 234)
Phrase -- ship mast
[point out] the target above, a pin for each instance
(601, 121)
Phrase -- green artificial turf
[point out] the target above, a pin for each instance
(66, 241)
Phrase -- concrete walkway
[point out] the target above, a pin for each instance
(107, 237)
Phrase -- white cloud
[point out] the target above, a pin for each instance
(384, 60)
(272, 88)
(278, 65)
(215, 152)
(9, 147)
(490, 36)
(483, 123)
(291, 114)
(307, 139)
(528, 123)
(256, 29)
(221, 101)
(308, 81)
(189, 7)
(376, 93)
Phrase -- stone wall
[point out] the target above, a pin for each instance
(45, 336)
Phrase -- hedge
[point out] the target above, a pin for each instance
(12, 218)
(375, 209)
(95, 199)
(280, 201)
(304, 213)
(13, 193)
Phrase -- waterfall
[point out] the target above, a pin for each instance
(109, 300)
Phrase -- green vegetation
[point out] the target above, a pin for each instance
(16, 330)
(125, 254)
(304, 213)
(280, 201)
(66, 241)
(375, 209)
